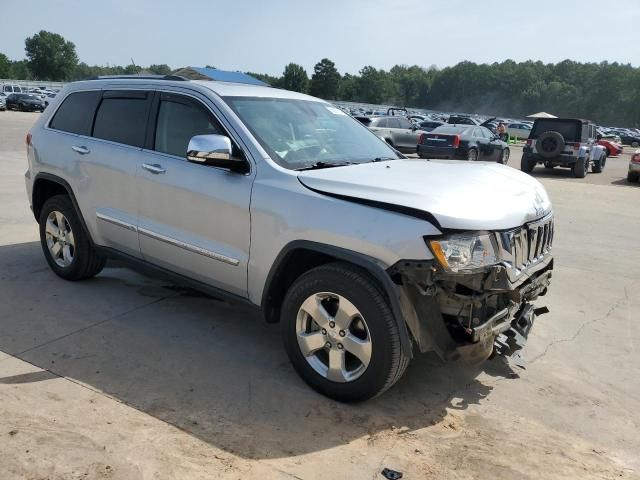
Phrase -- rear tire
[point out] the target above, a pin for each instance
(527, 164)
(580, 168)
(632, 178)
(635, 144)
(65, 243)
(472, 155)
(598, 166)
(317, 318)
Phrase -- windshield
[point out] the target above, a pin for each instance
(300, 133)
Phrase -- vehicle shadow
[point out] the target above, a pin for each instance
(557, 172)
(212, 369)
(625, 183)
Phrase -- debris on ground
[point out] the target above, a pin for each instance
(391, 474)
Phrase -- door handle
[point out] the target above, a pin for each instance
(153, 168)
(81, 149)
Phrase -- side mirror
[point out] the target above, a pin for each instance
(216, 151)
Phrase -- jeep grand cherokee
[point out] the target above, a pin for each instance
(282, 201)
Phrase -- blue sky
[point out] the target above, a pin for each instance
(262, 36)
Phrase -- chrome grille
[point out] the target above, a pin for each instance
(524, 246)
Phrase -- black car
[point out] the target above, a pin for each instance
(429, 125)
(633, 140)
(463, 142)
(25, 102)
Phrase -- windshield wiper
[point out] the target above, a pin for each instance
(382, 159)
(319, 165)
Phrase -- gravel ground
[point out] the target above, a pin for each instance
(127, 377)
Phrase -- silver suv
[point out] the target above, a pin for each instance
(282, 201)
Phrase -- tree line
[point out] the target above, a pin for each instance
(608, 93)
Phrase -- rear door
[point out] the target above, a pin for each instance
(194, 219)
(119, 132)
(98, 137)
(485, 149)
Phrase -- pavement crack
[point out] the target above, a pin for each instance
(586, 324)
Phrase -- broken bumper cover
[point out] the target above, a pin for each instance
(470, 316)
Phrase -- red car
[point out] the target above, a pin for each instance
(612, 147)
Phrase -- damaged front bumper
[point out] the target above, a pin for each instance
(470, 316)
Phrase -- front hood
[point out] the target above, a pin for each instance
(459, 194)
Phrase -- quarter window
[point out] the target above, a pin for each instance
(122, 117)
(178, 121)
(75, 115)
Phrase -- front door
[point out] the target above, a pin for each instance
(193, 219)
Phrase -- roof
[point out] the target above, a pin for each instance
(223, 89)
(202, 73)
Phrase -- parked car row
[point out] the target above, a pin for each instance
(24, 102)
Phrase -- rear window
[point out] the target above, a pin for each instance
(451, 130)
(569, 129)
(75, 115)
(122, 118)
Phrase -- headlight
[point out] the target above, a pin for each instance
(463, 252)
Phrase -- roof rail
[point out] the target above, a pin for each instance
(141, 77)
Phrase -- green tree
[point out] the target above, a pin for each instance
(5, 66)
(20, 70)
(50, 56)
(325, 82)
(295, 78)
(162, 69)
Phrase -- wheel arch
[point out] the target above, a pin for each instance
(300, 256)
(47, 185)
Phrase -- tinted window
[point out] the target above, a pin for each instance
(75, 115)
(122, 117)
(485, 132)
(382, 123)
(177, 122)
(452, 130)
(394, 123)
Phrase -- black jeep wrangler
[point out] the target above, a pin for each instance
(564, 142)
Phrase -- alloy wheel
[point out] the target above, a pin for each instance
(60, 240)
(333, 337)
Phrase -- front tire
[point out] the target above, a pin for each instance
(65, 244)
(340, 333)
(504, 156)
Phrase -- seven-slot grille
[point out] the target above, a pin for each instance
(526, 245)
